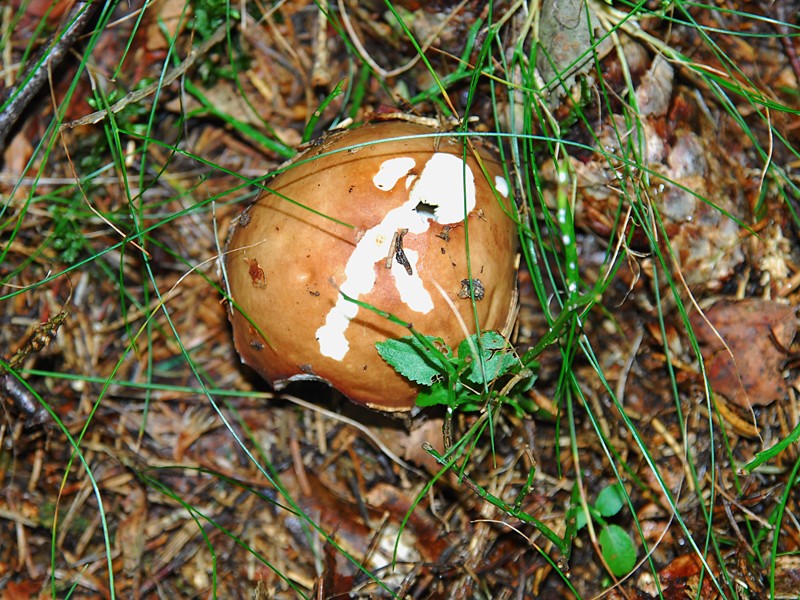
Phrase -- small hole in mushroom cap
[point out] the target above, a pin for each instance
(426, 211)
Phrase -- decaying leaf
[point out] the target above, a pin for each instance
(683, 577)
(566, 39)
(758, 333)
(787, 576)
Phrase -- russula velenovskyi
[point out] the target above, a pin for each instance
(382, 220)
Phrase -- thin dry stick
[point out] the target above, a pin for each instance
(19, 97)
(348, 25)
(96, 212)
(138, 95)
(320, 73)
(8, 77)
(362, 428)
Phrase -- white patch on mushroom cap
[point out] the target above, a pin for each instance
(359, 277)
(391, 171)
(330, 336)
(411, 290)
(501, 185)
(446, 184)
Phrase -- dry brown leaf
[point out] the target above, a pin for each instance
(164, 17)
(682, 576)
(431, 432)
(21, 591)
(16, 156)
(758, 333)
(131, 534)
(787, 576)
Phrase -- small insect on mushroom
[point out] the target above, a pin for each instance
(399, 254)
(477, 287)
(376, 238)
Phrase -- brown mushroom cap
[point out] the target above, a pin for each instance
(331, 223)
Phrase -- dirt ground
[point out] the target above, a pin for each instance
(139, 458)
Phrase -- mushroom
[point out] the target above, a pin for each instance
(376, 213)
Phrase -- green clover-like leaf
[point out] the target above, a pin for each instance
(434, 395)
(414, 361)
(497, 358)
(610, 500)
(618, 549)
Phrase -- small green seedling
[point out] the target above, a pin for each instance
(616, 545)
(483, 369)
(465, 379)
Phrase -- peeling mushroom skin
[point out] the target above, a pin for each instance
(389, 204)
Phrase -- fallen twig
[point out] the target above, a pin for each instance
(18, 98)
(141, 94)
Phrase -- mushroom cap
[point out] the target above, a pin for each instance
(332, 221)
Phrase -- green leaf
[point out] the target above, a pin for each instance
(467, 400)
(497, 357)
(618, 549)
(580, 520)
(611, 500)
(436, 394)
(412, 360)
(308, 131)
